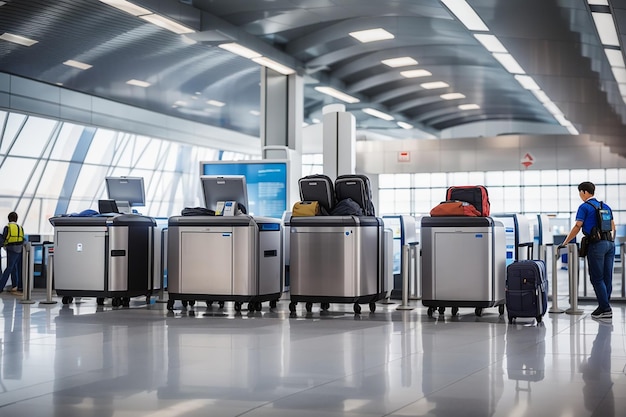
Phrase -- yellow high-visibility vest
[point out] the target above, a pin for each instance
(15, 234)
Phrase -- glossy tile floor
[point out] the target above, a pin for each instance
(87, 360)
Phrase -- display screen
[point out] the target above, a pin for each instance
(224, 188)
(266, 183)
(126, 189)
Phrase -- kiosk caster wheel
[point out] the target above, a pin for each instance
(430, 311)
(116, 302)
(209, 303)
(501, 309)
(357, 308)
(192, 303)
(67, 299)
(237, 306)
(99, 301)
(455, 311)
(273, 304)
(292, 307)
(325, 306)
(258, 305)
(254, 307)
(309, 307)
(441, 310)
(478, 311)
(372, 307)
(125, 301)
(221, 304)
(170, 304)
(185, 303)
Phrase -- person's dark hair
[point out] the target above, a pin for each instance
(12, 216)
(587, 186)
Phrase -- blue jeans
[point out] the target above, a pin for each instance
(14, 268)
(600, 258)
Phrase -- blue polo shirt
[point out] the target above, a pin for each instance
(587, 214)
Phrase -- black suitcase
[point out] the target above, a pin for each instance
(526, 290)
(357, 188)
(475, 194)
(318, 188)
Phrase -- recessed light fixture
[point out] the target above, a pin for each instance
(606, 28)
(541, 96)
(405, 125)
(416, 73)
(165, 23)
(20, 40)
(215, 103)
(615, 57)
(371, 35)
(138, 83)
(77, 64)
(509, 63)
(337, 94)
(598, 2)
(376, 113)
(255, 112)
(466, 14)
(127, 7)
(469, 106)
(433, 85)
(452, 96)
(490, 42)
(619, 74)
(527, 82)
(403, 61)
(269, 63)
(237, 49)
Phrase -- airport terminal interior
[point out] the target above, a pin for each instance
(227, 206)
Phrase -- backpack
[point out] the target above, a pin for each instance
(454, 208)
(347, 207)
(306, 208)
(603, 220)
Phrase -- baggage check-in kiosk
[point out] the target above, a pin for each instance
(463, 263)
(235, 258)
(103, 256)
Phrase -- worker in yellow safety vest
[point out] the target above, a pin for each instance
(13, 242)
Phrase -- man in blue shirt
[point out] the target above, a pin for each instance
(601, 252)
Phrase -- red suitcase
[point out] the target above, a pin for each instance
(474, 194)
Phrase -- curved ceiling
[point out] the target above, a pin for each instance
(556, 44)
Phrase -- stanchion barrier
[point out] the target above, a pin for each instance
(573, 265)
(28, 270)
(555, 294)
(49, 277)
(406, 253)
(622, 252)
(161, 297)
(416, 271)
(543, 253)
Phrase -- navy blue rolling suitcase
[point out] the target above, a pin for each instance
(526, 292)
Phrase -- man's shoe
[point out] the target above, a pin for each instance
(602, 314)
(14, 289)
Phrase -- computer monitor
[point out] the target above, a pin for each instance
(107, 206)
(224, 188)
(128, 189)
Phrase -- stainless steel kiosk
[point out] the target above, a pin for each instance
(103, 256)
(463, 263)
(218, 259)
(337, 259)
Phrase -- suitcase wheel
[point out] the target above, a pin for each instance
(501, 309)
(538, 319)
(511, 319)
(478, 311)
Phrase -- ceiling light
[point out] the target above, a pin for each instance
(127, 7)
(552, 108)
(371, 35)
(615, 57)
(541, 96)
(77, 64)
(235, 48)
(490, 42)
(527, 82)
(416, 73)
(376, 113)
(469, 106)
(20, 40)
(337, 94)
(572, 130)
(180, 103)
(280, 68)
(622, 89)
(255, 112)
(315, 120)
(606, 28)
(452, 96)
(466, 14)
(403, 61)
(166, 23)
(405, 125)
(619, 74)
(215, 103)
(138, 83)
(598, 2)
(509, 63)
(2, 3)
(434, 84)
(562, 120)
